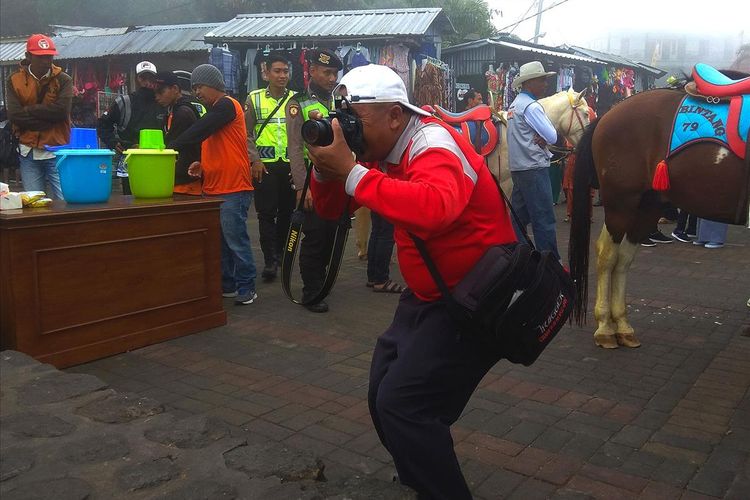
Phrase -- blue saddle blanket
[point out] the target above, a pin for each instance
(697, 120)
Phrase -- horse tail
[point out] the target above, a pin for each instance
(580, 221)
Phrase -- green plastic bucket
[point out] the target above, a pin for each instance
(151, 172)
(151, 139)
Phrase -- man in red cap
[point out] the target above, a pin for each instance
(39, 99)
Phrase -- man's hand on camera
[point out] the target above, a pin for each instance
(333, 162)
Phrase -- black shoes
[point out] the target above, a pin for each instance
(654, 238)
(681, 236)
(659, 237)
(270, 271)
(320, 307)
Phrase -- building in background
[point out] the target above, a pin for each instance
(676, 53)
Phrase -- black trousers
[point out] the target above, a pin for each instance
(315, 252)
(422, 375)
(274, 203)
(125, 181)
(379, 250)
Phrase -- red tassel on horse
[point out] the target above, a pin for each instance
(661, 177)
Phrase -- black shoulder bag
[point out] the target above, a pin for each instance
(515, 298)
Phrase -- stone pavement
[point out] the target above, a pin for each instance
(668, 420)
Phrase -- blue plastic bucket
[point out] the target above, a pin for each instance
(80, 138)
(85, 174)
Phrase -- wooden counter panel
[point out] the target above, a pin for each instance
(83, 284)
(145, 268)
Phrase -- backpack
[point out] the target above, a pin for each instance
(8, 146)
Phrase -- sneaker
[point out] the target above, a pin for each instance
(714, 245)
(659, 237)
(647, 243)
(681, 236)
(699, 243)
(245, 297)
(692, 235)
(229, 295)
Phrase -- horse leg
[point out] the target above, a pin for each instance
(606, 259)
(624, 332)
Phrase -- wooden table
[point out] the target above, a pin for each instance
(81, 282)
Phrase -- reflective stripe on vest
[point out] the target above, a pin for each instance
(272, 143)
(308, 105)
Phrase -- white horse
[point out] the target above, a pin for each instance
(568, 112)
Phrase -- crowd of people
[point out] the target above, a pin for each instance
(420, 179)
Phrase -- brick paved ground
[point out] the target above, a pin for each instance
(668, 420)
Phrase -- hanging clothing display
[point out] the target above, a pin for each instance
(228, 62)
(396, 57)
(566, 76)
(500, 85)
(430, 84)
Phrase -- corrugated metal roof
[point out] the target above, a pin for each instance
(526, 47)
(100, 42)
(331, 24)
(547, 52)
(143, 40)
(617, 60)
(12, 51)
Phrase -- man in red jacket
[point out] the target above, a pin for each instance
(437, 188)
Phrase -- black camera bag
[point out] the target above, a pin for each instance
(515, 298)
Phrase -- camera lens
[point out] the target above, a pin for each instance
(317, 132)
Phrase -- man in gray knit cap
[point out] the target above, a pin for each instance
(225, 168)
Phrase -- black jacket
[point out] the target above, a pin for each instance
(144, 111)
(179, 118)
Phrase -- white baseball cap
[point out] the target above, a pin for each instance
(145, 67)
(375, 83)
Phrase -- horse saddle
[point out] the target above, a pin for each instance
(709, 81)
(476, 125)
(720, 122)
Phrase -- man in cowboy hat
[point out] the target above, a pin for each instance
(529, 133)
(39, 99)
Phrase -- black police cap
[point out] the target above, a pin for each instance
(325, 57)
(167, 79)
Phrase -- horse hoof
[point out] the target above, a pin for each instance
(606, 341)
(628, 340)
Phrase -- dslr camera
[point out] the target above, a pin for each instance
(320, 132)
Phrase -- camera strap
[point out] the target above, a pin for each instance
(292, 245)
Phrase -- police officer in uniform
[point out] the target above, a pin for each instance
(267, 148)
(316, 246)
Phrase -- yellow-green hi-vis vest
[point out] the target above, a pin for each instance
(272, 144)
(308, 104)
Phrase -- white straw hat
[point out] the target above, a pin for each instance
(529, 71)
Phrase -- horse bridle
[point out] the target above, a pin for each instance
(567, 151)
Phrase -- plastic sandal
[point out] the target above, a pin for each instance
(389, 286)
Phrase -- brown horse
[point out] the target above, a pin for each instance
(619, 153)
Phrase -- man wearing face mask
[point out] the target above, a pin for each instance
(120, 127)
(433, 185)
(316, 246)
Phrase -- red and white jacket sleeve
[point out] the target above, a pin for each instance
(427, 196)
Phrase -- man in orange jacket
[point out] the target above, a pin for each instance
(39, 99)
